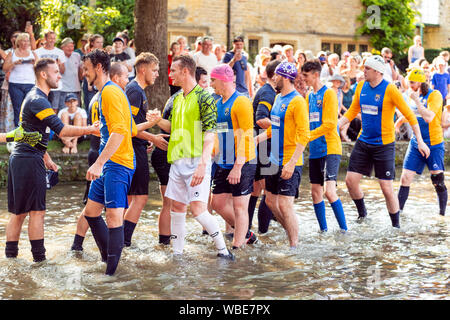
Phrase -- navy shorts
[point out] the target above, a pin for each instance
(244, 187)
(276, 185)
(161, 166)
(111, 188)
(27, 184)
(324, 169)
(141, 176)
(366, 156)
(414, 160)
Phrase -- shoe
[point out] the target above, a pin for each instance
(204, 232)
(76, 248)
(251, 238)
(228, 256)
(361, 219)
(229, 236)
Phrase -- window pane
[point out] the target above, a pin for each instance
(351, 47)
(326, 46)
(253, 49)
(363, 48)
(337, 48)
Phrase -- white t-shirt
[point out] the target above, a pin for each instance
(72, 115)
(206, 62)
(70, 81)
(325, 73)
(55, 53)
(387, 75)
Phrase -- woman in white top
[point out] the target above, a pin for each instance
(19, 63)
(416, 51)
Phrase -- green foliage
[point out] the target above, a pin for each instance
(388, 23)
(125, 19)
(430, 54)
(13, 17)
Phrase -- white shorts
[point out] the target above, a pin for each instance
(179, 185)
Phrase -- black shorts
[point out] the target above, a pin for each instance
(161, 166)
(324, 169)
(26, 184)
(276, 185)
(366, 156)
(263, 159)
(244, 187)
(141, 176)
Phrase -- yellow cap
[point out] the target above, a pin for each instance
(417, 75)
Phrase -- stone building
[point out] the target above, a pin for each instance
(305, 24)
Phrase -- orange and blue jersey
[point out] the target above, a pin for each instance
(377, 106)
(290, 126)
(431, 132)
(116, 117)
(323, 120)
(234, 130)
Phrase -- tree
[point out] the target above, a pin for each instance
(389, 24)
(150, 34)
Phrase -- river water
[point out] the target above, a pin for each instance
(371, 261)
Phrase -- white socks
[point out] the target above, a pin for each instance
(212, 226)
(178, 231)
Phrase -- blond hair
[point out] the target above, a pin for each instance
(145, 58)
(22, 36)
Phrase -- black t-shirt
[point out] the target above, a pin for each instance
(93, 115)
(37, 115)
(262, 103)
(139, 105)
(118, 57)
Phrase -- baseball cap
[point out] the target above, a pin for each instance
(118, 39)
(222, 72)
(70, 96)
(66, 41)
(287, 70)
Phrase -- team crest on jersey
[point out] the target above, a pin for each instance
(377, 97)
(283, 107)
(227, 111)
(319, 103)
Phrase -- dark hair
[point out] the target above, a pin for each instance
(270, 68)
(424, 88)
(186, 61)
(42, 64)
(98, 56)
(238, 39)
(273, 55)
(312, 65)
(198, 73)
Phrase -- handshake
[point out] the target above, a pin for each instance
(153, 116)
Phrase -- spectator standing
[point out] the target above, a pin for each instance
(73, 75)
(238, 62)
(50, 51)
(131, 53)
(206, 58)
(441, 80)
(84, 41)
(416, 51)
(19, 62)
(95, 42)
(175, 50)
(391, 73)
(330, 67)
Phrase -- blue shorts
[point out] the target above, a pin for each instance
(414, 161)
(324, 169)
(111, 188)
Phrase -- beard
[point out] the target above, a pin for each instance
(52, 84)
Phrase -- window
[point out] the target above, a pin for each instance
(337, 48)
(351, 47)
(253, 49)
(326, 46)
(363, 48)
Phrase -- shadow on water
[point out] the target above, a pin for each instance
(371, 261)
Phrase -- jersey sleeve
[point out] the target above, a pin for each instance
(398, 101)
(227, 57)
(114, 106)
(301, 119)
(264, 107)
(329, 115)
(435, 101)
(135, 99)
(242, 118)
(42, 110)
(208, 112)
(355, 107)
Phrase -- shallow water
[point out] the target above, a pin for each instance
(371, 261)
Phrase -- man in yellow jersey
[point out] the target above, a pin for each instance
(325, 147)
(290, 135)
(427, 105)
(377, 99)
(235, 156)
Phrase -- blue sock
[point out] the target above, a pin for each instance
(128, 229)
(115, 246)
(395, 218)
(251, 210)
(100, 232)
(362, 212)
(443, 197)
(403, 194)
(319, 209)
(339, 213)
(264, 216)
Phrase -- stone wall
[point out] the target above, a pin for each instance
(74, 167)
